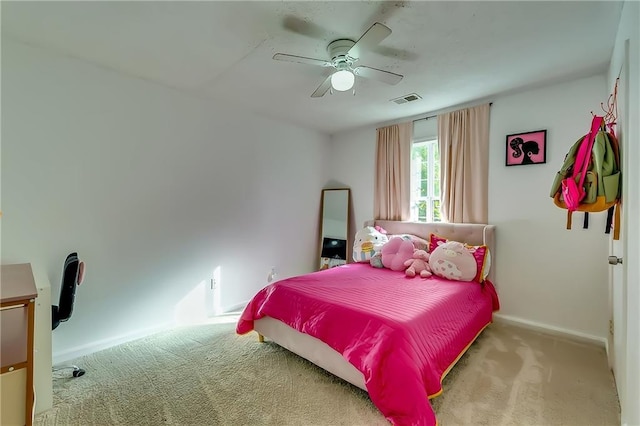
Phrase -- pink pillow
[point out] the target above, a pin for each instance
(451, 260)
(481, 255)
(418, 243)
(396, 252)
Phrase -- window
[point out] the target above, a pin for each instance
(425, 181)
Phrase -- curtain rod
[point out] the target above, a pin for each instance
(434, 116)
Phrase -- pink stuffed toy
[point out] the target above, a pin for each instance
(453, 261)
(396, 252)
(419, 265)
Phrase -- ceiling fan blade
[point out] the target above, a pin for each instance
(301, 60)
(371, 38)
(376, 74)
(322, 89)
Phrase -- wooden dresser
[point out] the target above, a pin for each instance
(17, 322)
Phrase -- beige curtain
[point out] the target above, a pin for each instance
(463, 139)
(393, 163)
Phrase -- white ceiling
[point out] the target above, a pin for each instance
(450, 52)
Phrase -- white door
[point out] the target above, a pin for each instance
(624, 278)
(617, 284)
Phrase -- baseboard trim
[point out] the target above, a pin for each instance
(550, 329)
(89, 348)
(78, 351)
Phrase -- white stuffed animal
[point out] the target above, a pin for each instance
(451, 260)
(368, 243)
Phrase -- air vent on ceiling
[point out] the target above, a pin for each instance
(406, 98)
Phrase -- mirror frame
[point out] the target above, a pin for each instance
(347, 226)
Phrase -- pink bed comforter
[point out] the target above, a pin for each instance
(402, 333)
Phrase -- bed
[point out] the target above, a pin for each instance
(393, 336)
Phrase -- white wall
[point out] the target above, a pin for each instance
(546, 274)
(153, 188)
(351, 162)
(541, 272)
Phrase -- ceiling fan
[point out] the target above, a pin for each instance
(344, 54)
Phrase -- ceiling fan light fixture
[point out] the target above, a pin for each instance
(342, 80)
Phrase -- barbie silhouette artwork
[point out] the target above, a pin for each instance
(527, 148)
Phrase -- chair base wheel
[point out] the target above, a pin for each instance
(75, 370)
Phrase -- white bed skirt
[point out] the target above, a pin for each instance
(310, 348)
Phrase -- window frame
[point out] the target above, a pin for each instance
(416, 176)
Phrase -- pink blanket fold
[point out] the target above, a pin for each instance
(402, 333)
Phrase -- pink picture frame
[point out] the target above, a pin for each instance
(526, 148)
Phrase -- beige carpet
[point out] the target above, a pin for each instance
(207, 375)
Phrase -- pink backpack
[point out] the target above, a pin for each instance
(590, 177)
(573, 193)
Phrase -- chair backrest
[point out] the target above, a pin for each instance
(72, 276)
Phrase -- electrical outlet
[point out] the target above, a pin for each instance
(272, 275)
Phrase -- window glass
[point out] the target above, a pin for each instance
(425, 181)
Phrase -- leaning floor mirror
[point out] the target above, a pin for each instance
(334, 227)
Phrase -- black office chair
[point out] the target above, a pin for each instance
(72, 276)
